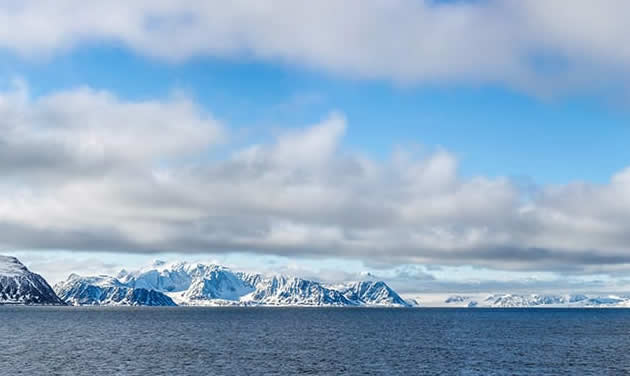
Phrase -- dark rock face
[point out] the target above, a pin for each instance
(18, 285)
(150, 298)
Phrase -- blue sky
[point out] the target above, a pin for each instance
(494, 130)
(328, 140)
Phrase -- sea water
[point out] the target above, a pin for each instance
(314, 341)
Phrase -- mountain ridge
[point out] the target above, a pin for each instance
(215, 285)
(107, 290)
(538, 301)
(207, 284)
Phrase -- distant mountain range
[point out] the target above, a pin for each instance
(198, 284)
(105, 290)
(183, 283)
(535, 300)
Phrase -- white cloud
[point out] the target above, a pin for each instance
(581, 42)
(84, 170)
(84, 129)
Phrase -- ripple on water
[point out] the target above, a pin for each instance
(281, 341)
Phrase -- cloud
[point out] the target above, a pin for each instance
(537, 46)
(89, 131)
(84, 170)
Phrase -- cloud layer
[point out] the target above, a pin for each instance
(540, 46)
(85, 170)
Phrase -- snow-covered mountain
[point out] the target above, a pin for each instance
(106, 290)
(18, 285)
(536, 300)
(209, 284)
(281, 290)
(454, 299)
(191, 283)
(373, 293)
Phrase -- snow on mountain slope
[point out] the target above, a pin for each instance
(18, 285)
(217, 283)
(281, 290)
(509, 300)
(536, 300)
(606, 301)
(210, 284)
(161, 276)
(11, 267)
(251, 279)
(106, 290)
(373, 293)
(189, 283)
(457, 299)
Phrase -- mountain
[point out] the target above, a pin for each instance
(457, 299)
(215, 285)
(509, 300)
(281, 290)
(18, 285)
(106, 290)
(192, 283)
(536, 300)
(373, 293)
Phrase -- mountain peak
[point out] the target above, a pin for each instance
(18, 285)
(158, 263)
(373, 292)
(11, 266)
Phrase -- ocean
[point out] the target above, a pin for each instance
(312, 341)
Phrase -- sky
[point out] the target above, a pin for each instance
(443, 146)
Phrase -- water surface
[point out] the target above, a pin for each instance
(315, 341)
